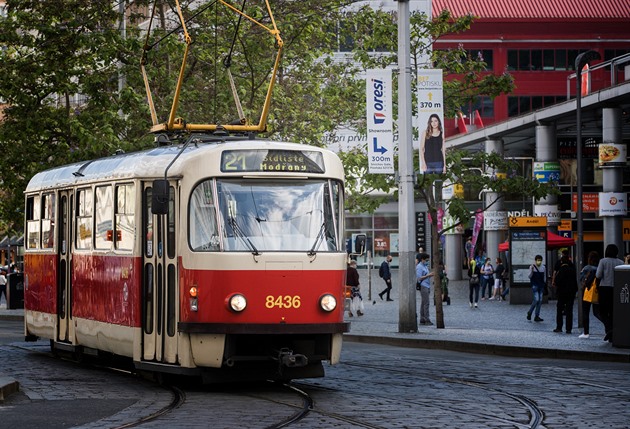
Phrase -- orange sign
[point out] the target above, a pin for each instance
(565, 225)
(519, 222)
(590, 202)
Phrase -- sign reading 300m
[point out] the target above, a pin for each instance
(263, 160)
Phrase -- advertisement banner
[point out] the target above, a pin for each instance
(495, 221)
(546, 172)
(612, 155)
(380, 129)
(477, 226)
(613, 204)
(430, 120)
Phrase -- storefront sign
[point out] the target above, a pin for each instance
(495, 221)
(613, 204)
(546, 172)
(551, 212)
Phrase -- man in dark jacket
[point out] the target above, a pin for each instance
(386, 274)
(566, 288)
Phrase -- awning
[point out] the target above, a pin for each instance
(554, 241)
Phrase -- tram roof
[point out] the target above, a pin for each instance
(150, 164)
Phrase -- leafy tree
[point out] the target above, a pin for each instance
(53, 51)
(466, 78)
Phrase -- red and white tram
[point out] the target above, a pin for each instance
(219, 258)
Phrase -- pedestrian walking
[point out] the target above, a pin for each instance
(487, 278)
(469, 247)
(587, 276)
(423, 279)
(474, 272)
(385, 273)
(352, 280)
(605, 275)
(538, 282)
(3, 286)
(566, 288)
(498, 280)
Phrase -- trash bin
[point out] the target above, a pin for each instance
(15, 291)
(621, 307)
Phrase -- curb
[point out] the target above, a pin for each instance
(489, 349)
(8, 386)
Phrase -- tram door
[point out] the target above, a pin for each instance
(64, 277)
(160, 297)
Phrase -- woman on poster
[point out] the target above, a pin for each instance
(432, 153)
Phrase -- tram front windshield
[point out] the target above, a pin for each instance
(259, 216)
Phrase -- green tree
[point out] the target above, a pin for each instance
(52, 51)
(465, 78)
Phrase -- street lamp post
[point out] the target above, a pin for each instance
(581, 60)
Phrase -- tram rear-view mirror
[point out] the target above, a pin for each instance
(159, 203)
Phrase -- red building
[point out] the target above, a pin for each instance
(537, 41)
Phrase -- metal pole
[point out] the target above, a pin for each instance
(407, 321)
(581, 60)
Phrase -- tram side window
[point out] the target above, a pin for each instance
(48, 221)
(202, 223)
(32, 221)
(125, 219)
(103, 217)
(84, 219)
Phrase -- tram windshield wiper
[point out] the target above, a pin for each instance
(239, 233)
(318, 239)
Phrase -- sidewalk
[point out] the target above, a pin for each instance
(493, 328)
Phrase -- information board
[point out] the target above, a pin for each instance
(524, 246)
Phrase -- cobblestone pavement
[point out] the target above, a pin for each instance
(375, 386)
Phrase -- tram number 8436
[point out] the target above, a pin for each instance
(285, 301)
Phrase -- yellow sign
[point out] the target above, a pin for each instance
(565, 225)
(519, 222)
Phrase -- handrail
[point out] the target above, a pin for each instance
(612, 63)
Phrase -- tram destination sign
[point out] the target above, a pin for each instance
(272, 160)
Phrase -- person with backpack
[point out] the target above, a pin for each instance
(566, 288)
(587, 276)
(386, 275)
(474, 273)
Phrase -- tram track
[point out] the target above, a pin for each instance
(536, 414)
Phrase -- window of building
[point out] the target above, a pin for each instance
(519, 105)
(381, 230)
(484, 105)
(84, 219)
(485, 55)
(541, 59)
(125, 219)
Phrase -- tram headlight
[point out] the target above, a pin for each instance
(328, 302)
(237, 302)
